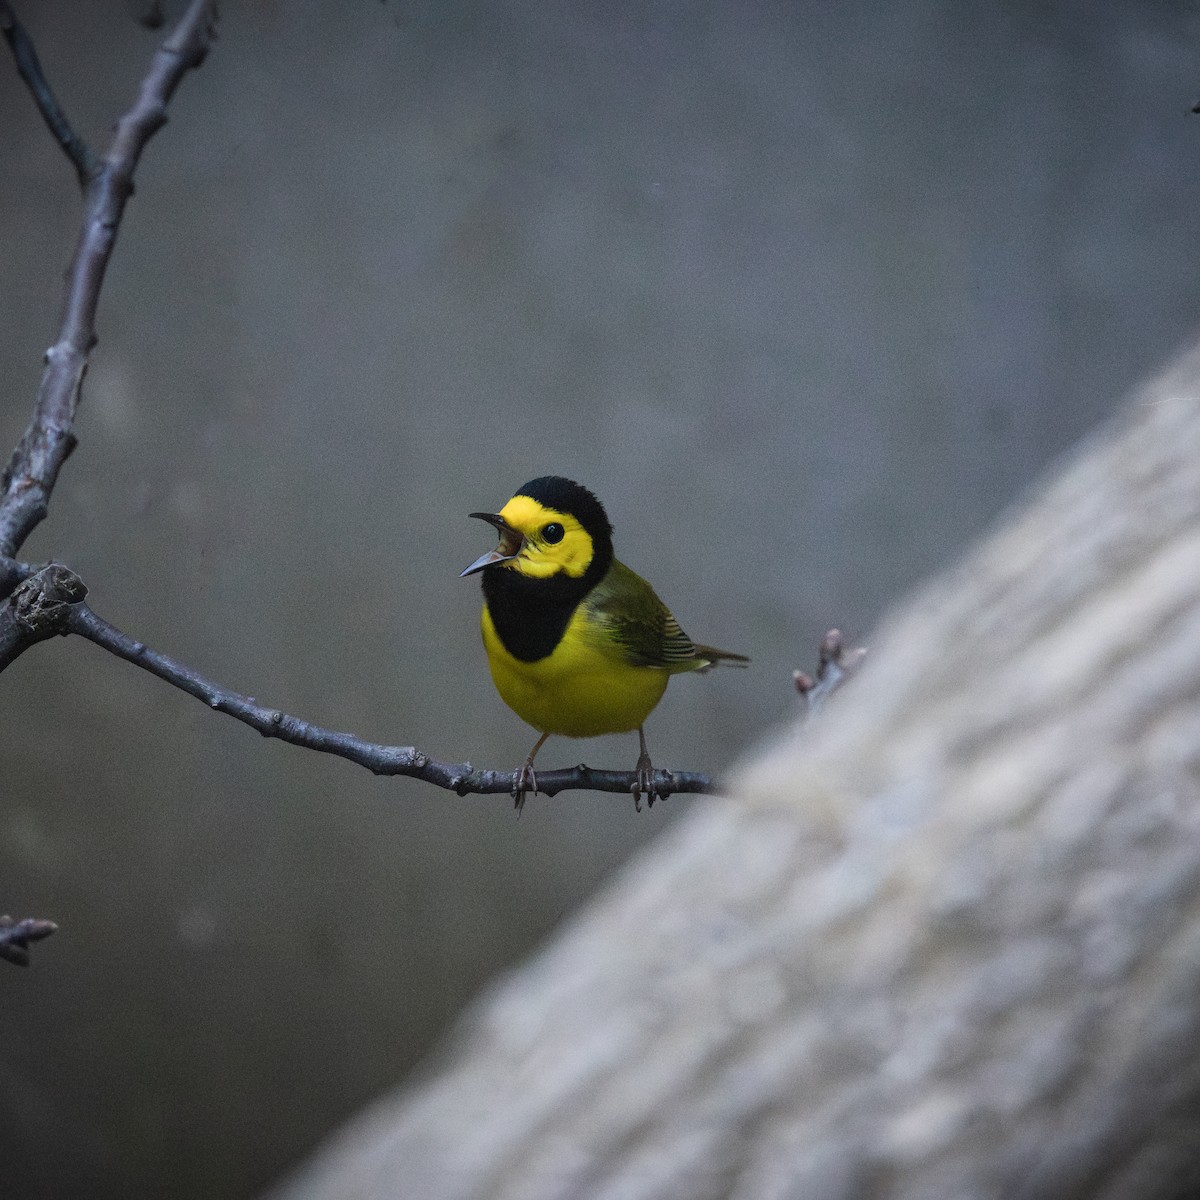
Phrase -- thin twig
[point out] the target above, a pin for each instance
(15, 937)
(85, 162)
(836, 663)
(29, 478)
(379, 759)
(49, 603)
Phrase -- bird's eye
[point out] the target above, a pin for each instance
(553, 532)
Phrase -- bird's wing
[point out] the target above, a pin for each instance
(630, 618)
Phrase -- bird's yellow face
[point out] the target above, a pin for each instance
(551, 542)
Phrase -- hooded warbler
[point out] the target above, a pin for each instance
(577, 643)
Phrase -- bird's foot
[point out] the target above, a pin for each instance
(524, 782)
(643, 782)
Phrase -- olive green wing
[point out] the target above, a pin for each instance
(630, 619)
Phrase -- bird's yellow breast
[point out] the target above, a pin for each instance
(582, 688)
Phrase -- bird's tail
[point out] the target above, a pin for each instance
(710, 656)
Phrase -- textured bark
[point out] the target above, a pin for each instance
(944, 942)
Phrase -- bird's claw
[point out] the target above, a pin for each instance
(643, 783)
(524, 782)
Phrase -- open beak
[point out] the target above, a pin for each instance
(510, 544)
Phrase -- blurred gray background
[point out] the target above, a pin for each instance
(805, 292)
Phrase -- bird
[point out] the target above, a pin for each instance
(577, 643)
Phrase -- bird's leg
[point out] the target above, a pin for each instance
(524, 779)
(643, 776)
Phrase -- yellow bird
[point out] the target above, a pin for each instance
(577, 643)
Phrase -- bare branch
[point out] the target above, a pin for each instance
(83, 159)
(49, 602)
(29, 478)
(461, 778)
(15, 937)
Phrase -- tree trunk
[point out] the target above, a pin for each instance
(942, 942)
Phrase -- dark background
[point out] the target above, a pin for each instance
(805, 292)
